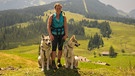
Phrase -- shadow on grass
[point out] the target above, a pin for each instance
(62, 72)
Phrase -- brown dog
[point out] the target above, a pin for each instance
(70, 59)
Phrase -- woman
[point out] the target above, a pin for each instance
(58, 32)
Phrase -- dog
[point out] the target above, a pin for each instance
(44, 52)
(70, 60)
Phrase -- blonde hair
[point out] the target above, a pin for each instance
(57, 4)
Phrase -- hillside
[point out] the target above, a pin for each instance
(21, 30)
(132, 13)
(105, 10)
(89, 8)
(24, 58)
(29, 32)
(121, 38)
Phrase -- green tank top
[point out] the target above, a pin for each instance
(57, 27)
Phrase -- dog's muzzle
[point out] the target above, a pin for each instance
(77, 45)
(49, 44)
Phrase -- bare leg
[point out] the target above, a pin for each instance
(53, 55)
(59, 54)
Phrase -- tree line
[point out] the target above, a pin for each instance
(126, 20)
(11, 18)
(96, 41)
(11, 37)
(104, 27)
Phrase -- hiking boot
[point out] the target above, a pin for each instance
(54, 66)
(59, 64)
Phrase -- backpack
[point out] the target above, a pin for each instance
(57, 26)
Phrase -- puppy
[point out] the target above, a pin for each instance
(44, 52)
(70, 59)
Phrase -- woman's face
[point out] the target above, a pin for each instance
(58, 9)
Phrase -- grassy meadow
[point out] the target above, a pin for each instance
(23, 59)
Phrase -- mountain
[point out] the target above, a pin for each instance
(86, 7)
(96, 7)
(89, 8)
(18, 4)
(132, 13)
(120, 12)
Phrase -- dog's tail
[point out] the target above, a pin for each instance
(39, 50)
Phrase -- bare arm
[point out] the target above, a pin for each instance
(65, 27)
(49, 23)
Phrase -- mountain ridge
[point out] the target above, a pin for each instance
(132, 13)
(20, 4)
(90, 8)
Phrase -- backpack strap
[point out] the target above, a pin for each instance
(58, 30)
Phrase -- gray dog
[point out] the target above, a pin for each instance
(44, 52)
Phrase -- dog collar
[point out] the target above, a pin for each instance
(43, 48)
(69, 46)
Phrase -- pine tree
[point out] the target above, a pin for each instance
(111, 52)
(95, 42)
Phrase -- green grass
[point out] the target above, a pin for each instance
(26, 57)
(123, 37)
(29, 52)
(69, 15)
(91, 31)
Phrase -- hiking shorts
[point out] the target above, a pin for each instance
(57, 42)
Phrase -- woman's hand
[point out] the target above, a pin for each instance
(51, 37)
(64, 37)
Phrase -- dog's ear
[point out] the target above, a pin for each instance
(73, 37)
(42, 36)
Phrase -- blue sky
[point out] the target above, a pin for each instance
(124, 5)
